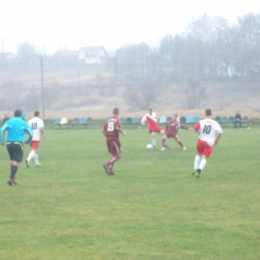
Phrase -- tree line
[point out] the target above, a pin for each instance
(210, 48)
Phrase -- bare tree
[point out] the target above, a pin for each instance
(26, 52)
(194, 92)
(141, 95)
(249, 41)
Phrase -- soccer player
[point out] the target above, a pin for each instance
(37, 126)
(111, 130)
(151, 119)
(172, 128)
(207, 130)
(16, 129)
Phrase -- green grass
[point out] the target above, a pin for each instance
(152, 209)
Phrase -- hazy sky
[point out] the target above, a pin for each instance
(111, 23)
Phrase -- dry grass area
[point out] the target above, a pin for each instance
(224, 101)
(77, 92)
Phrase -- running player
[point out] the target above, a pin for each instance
(37, 126)
(172, 128)
(207, 129)
(111, 130)
(151, 119)
(16, 128)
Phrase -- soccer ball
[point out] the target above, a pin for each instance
(149, 147)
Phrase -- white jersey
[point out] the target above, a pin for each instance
(208, 129)
(149, 117)
(36, 124)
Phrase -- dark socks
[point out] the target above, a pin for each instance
(13, 171)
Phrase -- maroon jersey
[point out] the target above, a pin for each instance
(172, 128)
(110, 127)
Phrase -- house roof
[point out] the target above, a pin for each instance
(65, 54)
(93, 50)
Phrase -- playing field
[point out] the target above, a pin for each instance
(70, 209)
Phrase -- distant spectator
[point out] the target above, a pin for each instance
(24, 115)
(237, 119)
(5, 119)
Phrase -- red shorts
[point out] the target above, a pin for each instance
(113, 145)
(35, 144)
(156, 129)
(204, 148)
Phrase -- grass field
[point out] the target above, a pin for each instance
(152, 209)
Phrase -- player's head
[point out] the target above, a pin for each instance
(36, 113)
(150, 111)
(208, 112)
(17, 113)
(175, 116)
(116, 111)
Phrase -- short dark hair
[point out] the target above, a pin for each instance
(36, 113)
(116, 111)
(208, 112)
(17, 113)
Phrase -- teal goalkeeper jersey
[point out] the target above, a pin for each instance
(16, 129)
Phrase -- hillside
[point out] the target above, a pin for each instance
(75, 91)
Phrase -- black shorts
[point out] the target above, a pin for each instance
(15, 150)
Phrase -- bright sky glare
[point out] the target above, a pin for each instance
(55, 24)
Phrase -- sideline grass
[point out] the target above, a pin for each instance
(152, 209)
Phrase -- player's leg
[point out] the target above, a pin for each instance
(153, 139)
(164, 139)
(207, 152)
(196, 163)
(31, 155)
(111, 162)
(13, 170)
(36, 159)
(203, 163)
(16, 155)
(177, 139)
(197, 157)
(114, 147)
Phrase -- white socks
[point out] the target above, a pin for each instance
(196, 162)
(36, 159)
(202, 164)
(30, 156)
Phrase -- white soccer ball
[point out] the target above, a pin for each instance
(149, 147)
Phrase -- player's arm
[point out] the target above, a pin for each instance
(143, 120)
(186, 127)
(42, 132)
(2, 133)
(120, 130)
(218, 137)
(104, 132)
(220, 132)
(197, 128)
(29, 132)
(167, 125)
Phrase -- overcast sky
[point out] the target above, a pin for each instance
(111, 23)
